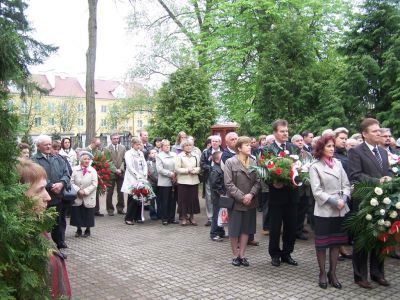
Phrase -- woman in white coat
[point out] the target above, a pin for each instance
(331, 190)
(135, 171)
(84, 180)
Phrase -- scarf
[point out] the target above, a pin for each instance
(329, 162)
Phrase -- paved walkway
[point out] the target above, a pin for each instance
(151, 261)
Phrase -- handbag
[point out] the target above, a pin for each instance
(69, 194)
(226, 202)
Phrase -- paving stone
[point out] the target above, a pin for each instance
(152, 261)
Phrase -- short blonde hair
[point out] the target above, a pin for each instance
(30, 172)
(165, 142)
(135, 140)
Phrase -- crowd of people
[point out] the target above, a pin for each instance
(175, 173)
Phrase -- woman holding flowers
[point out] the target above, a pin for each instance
(84, 180)
(331, 190)
(242, 184)
(135, 171)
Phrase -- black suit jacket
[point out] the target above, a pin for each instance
(275, 149)
(363, 166)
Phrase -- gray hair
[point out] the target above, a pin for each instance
(216, 137)
(114, 134)
(340, 130)
(296, 137)
(383, 130)
(229, 134)
(186, 142)
(327, 131)
(41, 138)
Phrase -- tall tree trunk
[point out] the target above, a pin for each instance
(90, 68)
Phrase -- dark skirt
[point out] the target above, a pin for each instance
(82, 216)
(242, 222)
(329, 232)
(188, 200)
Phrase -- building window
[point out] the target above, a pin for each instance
(64, 107)
(38, 106)
(38, 121)
(139, 123)
(103, 122)
(80, 122)
(63, 122)
(52, 107)
(51, 122)
(81, 108)
(104, 108)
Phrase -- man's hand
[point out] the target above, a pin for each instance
(118, 172)
(57, 187)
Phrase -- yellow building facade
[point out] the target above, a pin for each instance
(63, 109)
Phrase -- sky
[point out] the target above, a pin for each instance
(63, 23)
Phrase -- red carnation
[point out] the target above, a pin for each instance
(106, 165)
(145, 192)
(103, 170)
(106, 177)
(136, 192)
(395, 228)
(282, 154)
(262, 157)
(278, 171)
(94, 167)
(270, 165)
(100, 164)
(387, 249)
(383, 237)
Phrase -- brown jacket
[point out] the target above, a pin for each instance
(240, 181)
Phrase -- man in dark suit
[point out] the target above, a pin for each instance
(282, 203)
(117, 154)
(307, 137)
(368, 163)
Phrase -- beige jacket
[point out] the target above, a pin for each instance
(240, 181)
(117, 157)
(87, 183)
(184, 163)
(328, 183)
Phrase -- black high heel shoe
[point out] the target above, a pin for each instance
(336, 285)
(322, 285)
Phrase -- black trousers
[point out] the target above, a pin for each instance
(58, 230)
(167, 204)
(360, 266)
(120, 195)
(266, 213)
(286, 215)
(134, 209)
(302, 209)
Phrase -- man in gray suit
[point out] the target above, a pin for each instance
(368, 162)
(117, 154)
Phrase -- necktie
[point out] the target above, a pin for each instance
(378, 157)
(115, 147)
(283, 146)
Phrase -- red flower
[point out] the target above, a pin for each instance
(397, 237)
(383, 237)
(95, 157)
(100, 164)
(278, 171)
(94, 167)
(262, 157)
(395, 228)
(106, 177)
(387, 249)
(136, 192)
(270, 165)
(106, 165)
(103, 170)
(145, 192)
(282, 154)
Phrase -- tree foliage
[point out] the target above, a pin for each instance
(184, 104)
(23, 249)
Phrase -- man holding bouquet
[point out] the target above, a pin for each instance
(283, 202)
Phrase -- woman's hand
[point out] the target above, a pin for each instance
(247, 199)
(81, 194)
(340, 204)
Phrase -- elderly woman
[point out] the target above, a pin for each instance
(84, 181)
(24, 150)
(68, 152)
(187, 167)
(135, 171)
(331, 189)
(242, 184)
(165, 163)
(35, 176)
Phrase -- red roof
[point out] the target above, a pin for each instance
(61, 86)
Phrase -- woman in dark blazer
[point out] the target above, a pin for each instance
(331, 190)
(242, 184)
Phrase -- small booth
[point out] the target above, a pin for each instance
(222, 129)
